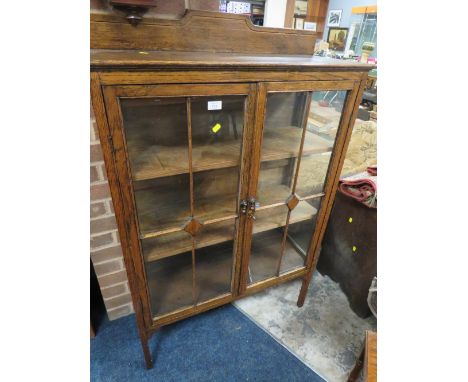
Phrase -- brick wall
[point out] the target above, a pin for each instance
(106, 253)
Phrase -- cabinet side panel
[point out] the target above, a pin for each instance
(123, 223)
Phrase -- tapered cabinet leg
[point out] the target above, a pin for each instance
(304, 288)
(146, 352)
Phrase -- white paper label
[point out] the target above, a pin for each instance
(215, 105)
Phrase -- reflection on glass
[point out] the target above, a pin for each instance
(170, 283)
(266, 243)
(215, 193)
(299, 235)
(323, 122)
(156, 135)
(282, 135)
(217, 127)
(163, 203)
(214, 262)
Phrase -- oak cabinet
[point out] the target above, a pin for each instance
(222, 166)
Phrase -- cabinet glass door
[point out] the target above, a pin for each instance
(185, 157)
(298, 139)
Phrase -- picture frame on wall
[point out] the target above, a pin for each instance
(310, 26)
(334, 18)
(337, 38)
(299, 23)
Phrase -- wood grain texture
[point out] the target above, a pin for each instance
(370, 358)
(137, 285)
(240, 74)
(107, 59)
(190, 34)
(188, 58)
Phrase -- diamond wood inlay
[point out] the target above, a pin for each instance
(292, 201)
(193, 227)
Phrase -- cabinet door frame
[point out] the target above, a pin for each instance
(126, 212)
(344, 129)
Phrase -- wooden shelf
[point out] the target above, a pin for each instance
(179, 242)
(159, 161)
(170, 280)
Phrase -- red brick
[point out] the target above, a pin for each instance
(96, 153)
(100, 191)
(97, 209)
(111, 206)
(114, 290)
(103, 224)
(100, 240)
(118, 301)
(93, 172)
(113, 278)
(107, 254)
(108, 267)
(104, 172)
(120, 312)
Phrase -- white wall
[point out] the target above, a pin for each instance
(275, 12)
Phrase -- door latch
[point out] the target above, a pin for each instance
(248, 207)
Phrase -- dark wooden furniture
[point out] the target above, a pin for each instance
(221, 162)
(349, 250)
(367, 361)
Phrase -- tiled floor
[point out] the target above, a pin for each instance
(325, 333)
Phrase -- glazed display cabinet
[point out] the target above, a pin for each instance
(223, 157)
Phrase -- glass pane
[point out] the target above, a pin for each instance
(266, 243)
(323, 122)
(170, 283)
(217, 126)
(215, 193)
(214, 256)
(300, 229)
(156, 135)
(280, 147)
(163, 203)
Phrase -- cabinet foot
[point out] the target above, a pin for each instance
(304, 288)
(147, 353)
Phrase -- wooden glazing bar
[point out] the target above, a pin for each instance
(261, 208)
(189, 132)
(192, 207)
(305, 117)
(301, 147)
(160, 233)
(312, 196)
(218, 220)
(283, 243)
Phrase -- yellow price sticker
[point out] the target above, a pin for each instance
(354, 248)
(216, 128)
(350, 220)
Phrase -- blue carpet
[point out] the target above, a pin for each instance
(219, 345)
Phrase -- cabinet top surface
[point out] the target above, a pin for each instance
(137, 59)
